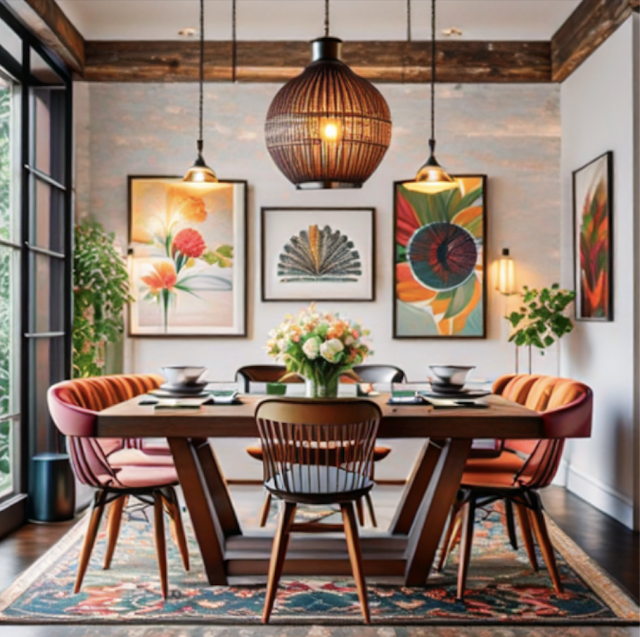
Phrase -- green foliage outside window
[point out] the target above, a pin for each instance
(100, 293)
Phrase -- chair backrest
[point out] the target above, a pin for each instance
(567, 407)
(380, 374)
(262, 374)
(301, 436)
(73, 406)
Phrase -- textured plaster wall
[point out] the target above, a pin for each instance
(509, 132)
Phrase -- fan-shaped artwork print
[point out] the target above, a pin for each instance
(439, 262)
(319, 255)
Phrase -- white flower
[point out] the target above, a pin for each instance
(282, 344)
(311, 348)
(349, 340)
(330, 349)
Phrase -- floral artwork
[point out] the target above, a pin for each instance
(439, 262)
(319, 347)
(187, 247)
(592, 214)
(314, 254)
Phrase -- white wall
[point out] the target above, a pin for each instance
(598, 103)
(509, 132)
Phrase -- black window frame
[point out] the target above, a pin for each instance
(13, 508)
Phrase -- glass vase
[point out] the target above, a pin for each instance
(321, 387)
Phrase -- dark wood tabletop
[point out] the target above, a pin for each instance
(501, 419)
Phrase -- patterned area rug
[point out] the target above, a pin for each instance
(502, 588)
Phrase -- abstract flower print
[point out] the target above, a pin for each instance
(439, 261)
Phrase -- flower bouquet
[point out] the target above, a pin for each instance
(319, 347)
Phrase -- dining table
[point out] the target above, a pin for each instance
(406, 550)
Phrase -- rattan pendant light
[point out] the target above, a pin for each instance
(328, 127)
(200, 172)
(432, 178)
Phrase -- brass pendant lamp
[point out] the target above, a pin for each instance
(328, 127)
(200, 173)
(432, 178)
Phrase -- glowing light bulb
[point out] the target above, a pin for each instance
(331, 130)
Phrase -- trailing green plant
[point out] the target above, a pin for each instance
(541, 319)
(100, 293)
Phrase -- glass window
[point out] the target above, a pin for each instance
(9, 317)
(47, 228)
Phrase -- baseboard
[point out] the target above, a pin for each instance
(601, 496)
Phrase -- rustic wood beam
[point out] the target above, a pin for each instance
(52, 27)
(584, 31)
(458, 62)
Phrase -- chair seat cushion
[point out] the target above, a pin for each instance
(314, 484)
(139, 477)
(379, 453)
(156, 446)
(138, 458)
(492, 472)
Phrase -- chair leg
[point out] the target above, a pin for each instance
(161, 546)
(278, 554)
(266, 507)
(355, 556)
(372, 513)
(99, 500)
(468, 520)
(113, 525)
(540, 529)
(510, 523)
(527, 538)
(176, 520)
(360, 512)
(450, 536)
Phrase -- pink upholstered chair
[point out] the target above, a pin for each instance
(118, 468)
(523, 467)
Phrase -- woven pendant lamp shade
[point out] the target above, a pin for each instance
(328, 127)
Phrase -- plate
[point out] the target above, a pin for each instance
(174, 393)
(190, 390)
(462, 393)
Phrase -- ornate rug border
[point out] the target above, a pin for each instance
(622, 605)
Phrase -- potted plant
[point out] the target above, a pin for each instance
(319, 347)
(100, 293)
(541, 319)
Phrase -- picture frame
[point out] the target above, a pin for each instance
(433, 298)
(187, 257)
(297, 265)
(593, 239)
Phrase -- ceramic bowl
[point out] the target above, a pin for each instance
(182, 375)
(450, 375)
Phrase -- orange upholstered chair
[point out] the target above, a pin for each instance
(523, 467)
(273, 373)
(117, 468)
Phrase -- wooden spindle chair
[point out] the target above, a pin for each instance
(317, 452)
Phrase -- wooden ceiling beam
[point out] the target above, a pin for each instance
(584, 31)
(175, 61)
(52, 27)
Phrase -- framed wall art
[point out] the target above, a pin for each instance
(318, 254)
(439, 247)
(188, 257)
(593, 252)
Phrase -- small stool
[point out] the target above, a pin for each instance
(52, 488)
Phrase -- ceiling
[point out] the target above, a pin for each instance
(304, 19)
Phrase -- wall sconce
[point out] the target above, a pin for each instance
(506, 274)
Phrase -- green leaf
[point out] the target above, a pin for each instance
(461, 298)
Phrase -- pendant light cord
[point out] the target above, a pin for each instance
(200, 142)
(234, 40)
(432, 141)
(326, 18)
(408, 20)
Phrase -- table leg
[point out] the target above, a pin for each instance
(206, 525)
(416, 487)
(434, 510)
(217, 487)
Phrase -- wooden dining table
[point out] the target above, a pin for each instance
(406, 550)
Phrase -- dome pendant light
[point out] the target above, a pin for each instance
(328, 127)
(200, 173)
(432, 178)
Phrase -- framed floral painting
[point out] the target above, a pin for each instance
(439, 246)
(592, 211)
(318, 254)
(188, 252)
